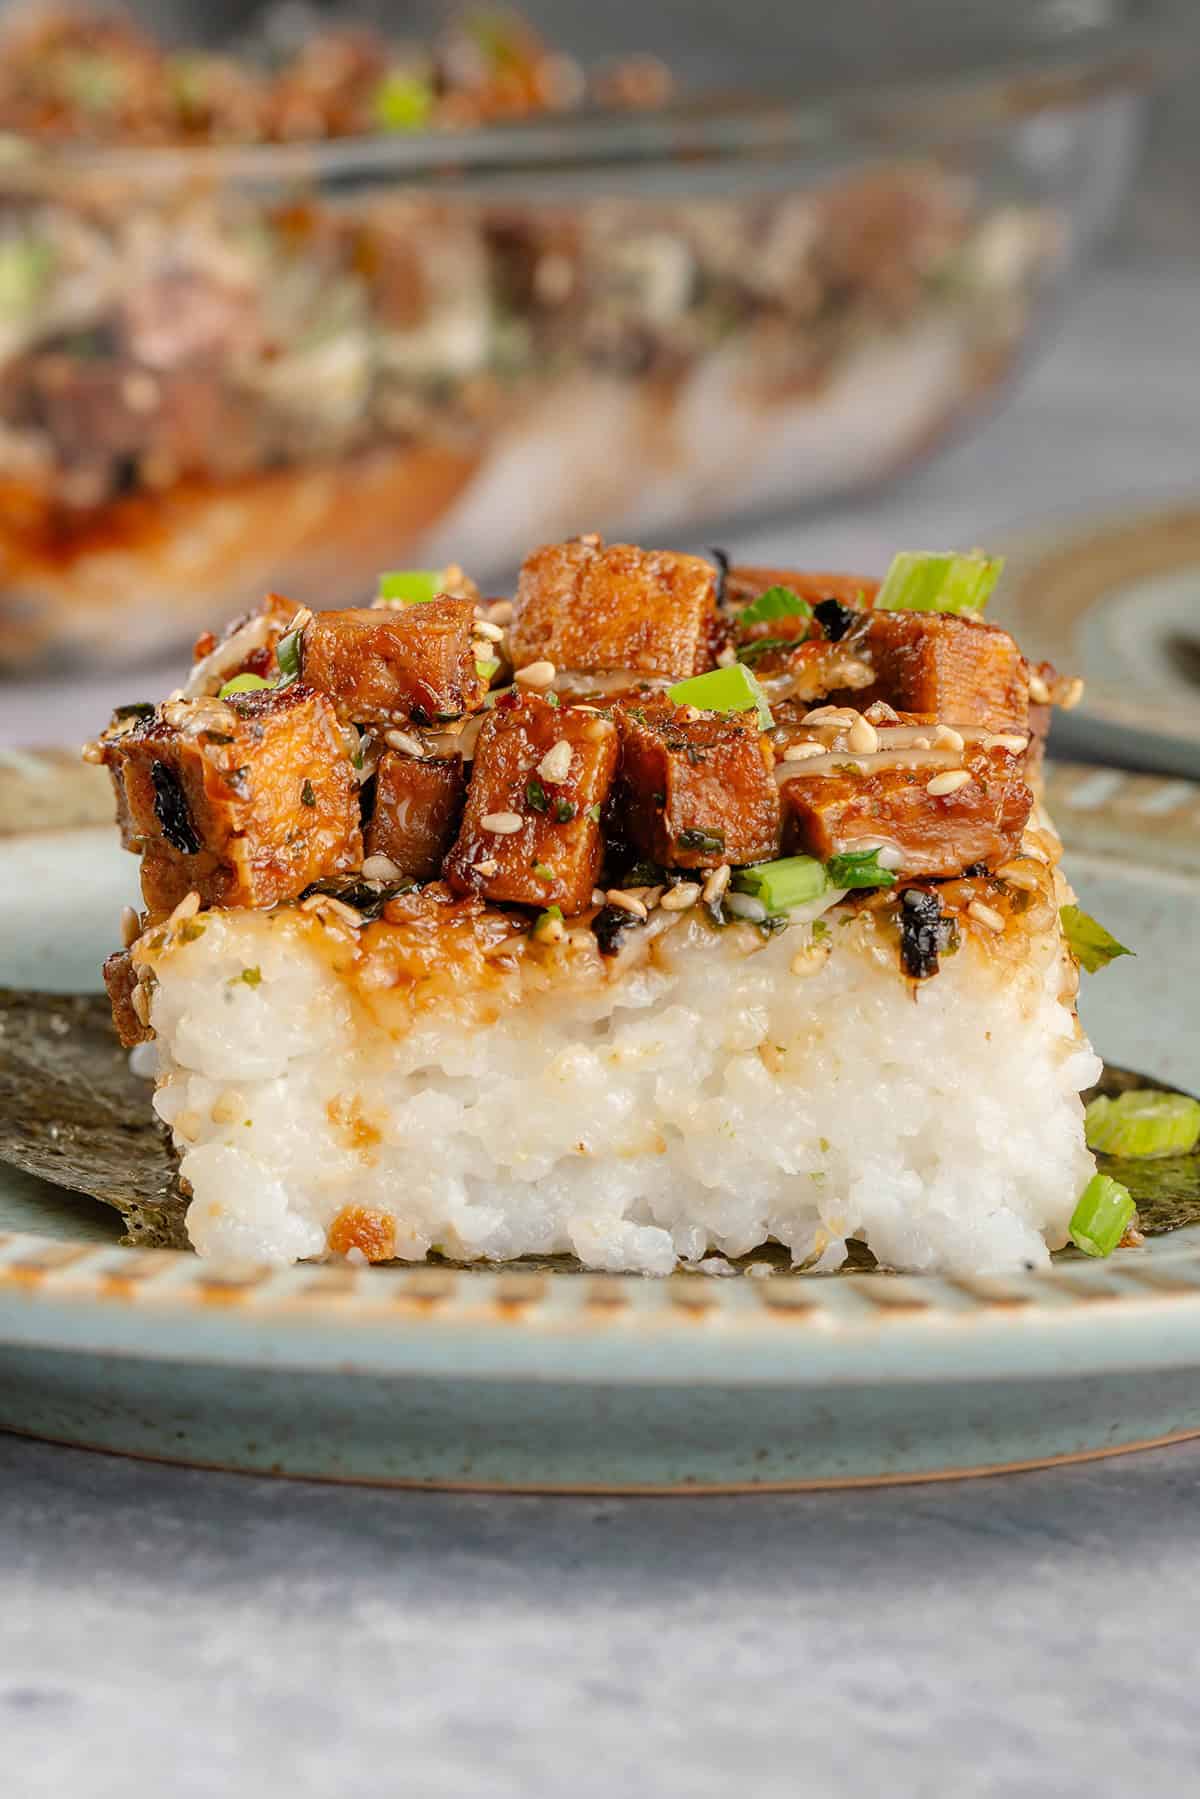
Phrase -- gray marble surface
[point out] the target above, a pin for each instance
(185, 1634)
(176, 1633)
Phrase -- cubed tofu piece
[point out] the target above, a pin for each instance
(963, 670)
(531, 831)
(581, 605)
(746, 581)
(418, 804)
(391, 665)
(698, 791)
(245, 800)
(933, 834)
(120, 978)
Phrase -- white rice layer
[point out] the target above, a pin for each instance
(708, 1101)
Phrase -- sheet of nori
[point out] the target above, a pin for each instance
(72, 1112)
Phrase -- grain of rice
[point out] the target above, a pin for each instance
(986, 916)
(680, 897)
(1039, 693)
(406, 744)
(716, 884)
(626, 902)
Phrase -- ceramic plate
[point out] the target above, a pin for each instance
(543, 1380)
(1117, 600)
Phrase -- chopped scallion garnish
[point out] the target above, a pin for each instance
(564, 811)
(535, 794)
(243, 684)
(593, 812)
(859, 868)
(1092, 946)
(776, 602)
(251, 976)
(791, 881)
(403, 101)
(542, 871)
(1102, 1216)
(1143, 1122)
(487, 668)
(287, 655)
(732, 689)
(918, 582)
(411, 585)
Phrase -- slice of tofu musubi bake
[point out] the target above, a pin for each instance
(666, 909)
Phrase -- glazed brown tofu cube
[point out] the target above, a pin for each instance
(391, 665)
(961, 670)
(581, 605)
(531, 831)
(418, 804)
(698, 791)
(935, 834)
(245, 800)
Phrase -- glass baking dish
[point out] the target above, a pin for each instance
(288, 366)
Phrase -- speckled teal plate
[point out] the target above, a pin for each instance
(555, 1380)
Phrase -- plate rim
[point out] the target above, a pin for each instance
(403, 1319)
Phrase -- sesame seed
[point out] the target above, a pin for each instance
(809, 959)
(380, 868)
(950, 782)
(680, 897)
(947, 738)
(832, 715)
(301, 619)
(592, 539)
(1030, 848)
(804, 752)
(597, 896)
(484, 628)
(726, 657)
(985, 915)
(862, 737)
(92, 752)
(691, 714)
(555, 765)
(597, 729)
(406, 744)
(880, 713)
(131, 928)
(537, 675)
(1071, 695)
(500, 612)
(501, 824)
(627, 902)
(1006, 740)
(187, 908)
(1017, 876)
(139, 999)
(487, 868)
(716, 884)
(1039, 693)
(341, 910)
(140, 391)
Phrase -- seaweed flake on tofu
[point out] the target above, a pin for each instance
(676, 944)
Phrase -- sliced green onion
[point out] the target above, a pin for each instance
(1092, 946)
(765, 646)
(535, 794)
(1102, 1216)
(403, 101)
(1143, 1122)
(412, 585)
(731, 689)
(251, 976)
(695, 838)
(287, 655)
(551, 915)
(26, 264)
(859, 868)
(776, 602)
(564, 811)
(487, 668)
(542, 871)
(243, 684)
(593, 812)
(792, 881)
(918, 582)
